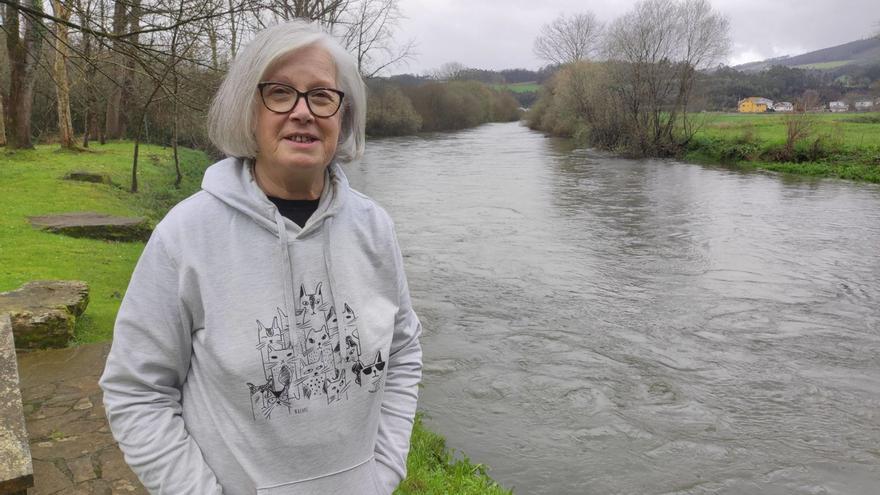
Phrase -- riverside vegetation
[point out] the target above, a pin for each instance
(30, 184)
(581, 102)
(436, 106)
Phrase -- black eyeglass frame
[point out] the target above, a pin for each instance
(300, 94)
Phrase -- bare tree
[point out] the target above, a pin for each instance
(658, 47)
(59, 72)
(24, 52)
(367, 30)
(449, 71)
(569, 38)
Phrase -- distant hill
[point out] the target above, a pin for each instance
(861, 52)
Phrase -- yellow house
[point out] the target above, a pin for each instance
(755, 104)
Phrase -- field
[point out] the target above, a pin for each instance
(525, 87)
(30, 184)
(844, 145)
(824, 65)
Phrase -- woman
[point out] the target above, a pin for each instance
(267, 343)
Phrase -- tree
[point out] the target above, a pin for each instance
(2, 123)
(366, 28)
(660, 45)
(449, 71)
(59, 72)
(24, 53)
(569, 38)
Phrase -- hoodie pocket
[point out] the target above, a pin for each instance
(360, 479)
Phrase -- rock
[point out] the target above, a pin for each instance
(82, 469)
(49, 479)
(83, 176)
(16, 470)
(95, 226)
(44, 312)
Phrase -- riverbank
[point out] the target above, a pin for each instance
(841, 145)
(31, 184)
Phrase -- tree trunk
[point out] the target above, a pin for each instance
(113, 127)
(176, 88)
(23, 53)
(65, 125)
(2, 122)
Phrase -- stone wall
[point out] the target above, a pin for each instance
(16, 470)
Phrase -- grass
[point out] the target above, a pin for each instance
(524, 87)
(842, 145)
(30, 185)
(824, 65)
(433, 470)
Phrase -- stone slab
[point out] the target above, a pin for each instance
(95, 226)
(16, 470)
(85, 176)
(44, 312)
(56, 367)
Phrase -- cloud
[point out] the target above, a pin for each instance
(498, 34)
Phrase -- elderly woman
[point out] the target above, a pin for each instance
(267, 343)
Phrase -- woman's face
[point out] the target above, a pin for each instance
(292, 143)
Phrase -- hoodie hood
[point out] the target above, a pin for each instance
(232, 182)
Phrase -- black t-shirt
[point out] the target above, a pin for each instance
(297, 210)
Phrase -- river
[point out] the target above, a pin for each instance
(594, 324)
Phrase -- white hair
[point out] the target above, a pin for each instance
(233, 113)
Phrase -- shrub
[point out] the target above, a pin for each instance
(390, 113)
(460, 104)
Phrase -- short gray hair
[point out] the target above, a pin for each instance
(232, 117)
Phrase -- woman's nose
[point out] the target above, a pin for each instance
(301, 110)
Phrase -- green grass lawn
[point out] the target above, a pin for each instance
(31, 185)
(844, 145)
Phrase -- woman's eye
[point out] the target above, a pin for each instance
(279, 93)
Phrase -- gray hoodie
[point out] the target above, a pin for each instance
(253, 356)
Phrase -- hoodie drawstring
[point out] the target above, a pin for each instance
(334, 287)
(287, 276)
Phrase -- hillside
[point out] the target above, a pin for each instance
(861, 52)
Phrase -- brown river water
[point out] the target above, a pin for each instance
(594, 324)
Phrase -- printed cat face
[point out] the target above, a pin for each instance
(313, 369)
(270, 335)
(309, 301)
(318, 339)
(348, 315)
(334, 388)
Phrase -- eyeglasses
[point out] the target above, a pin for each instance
(282, 98)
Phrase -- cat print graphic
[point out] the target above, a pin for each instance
(318, 359)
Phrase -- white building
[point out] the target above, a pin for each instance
(838, 106)
(864, 105)
(783, 106)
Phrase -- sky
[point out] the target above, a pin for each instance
(498, 34)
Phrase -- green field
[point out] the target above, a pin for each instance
(855, 130)
(844, 145)
(30, 184)
(525, 87)
(824, 65)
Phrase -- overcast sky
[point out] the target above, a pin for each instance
(498, 34)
